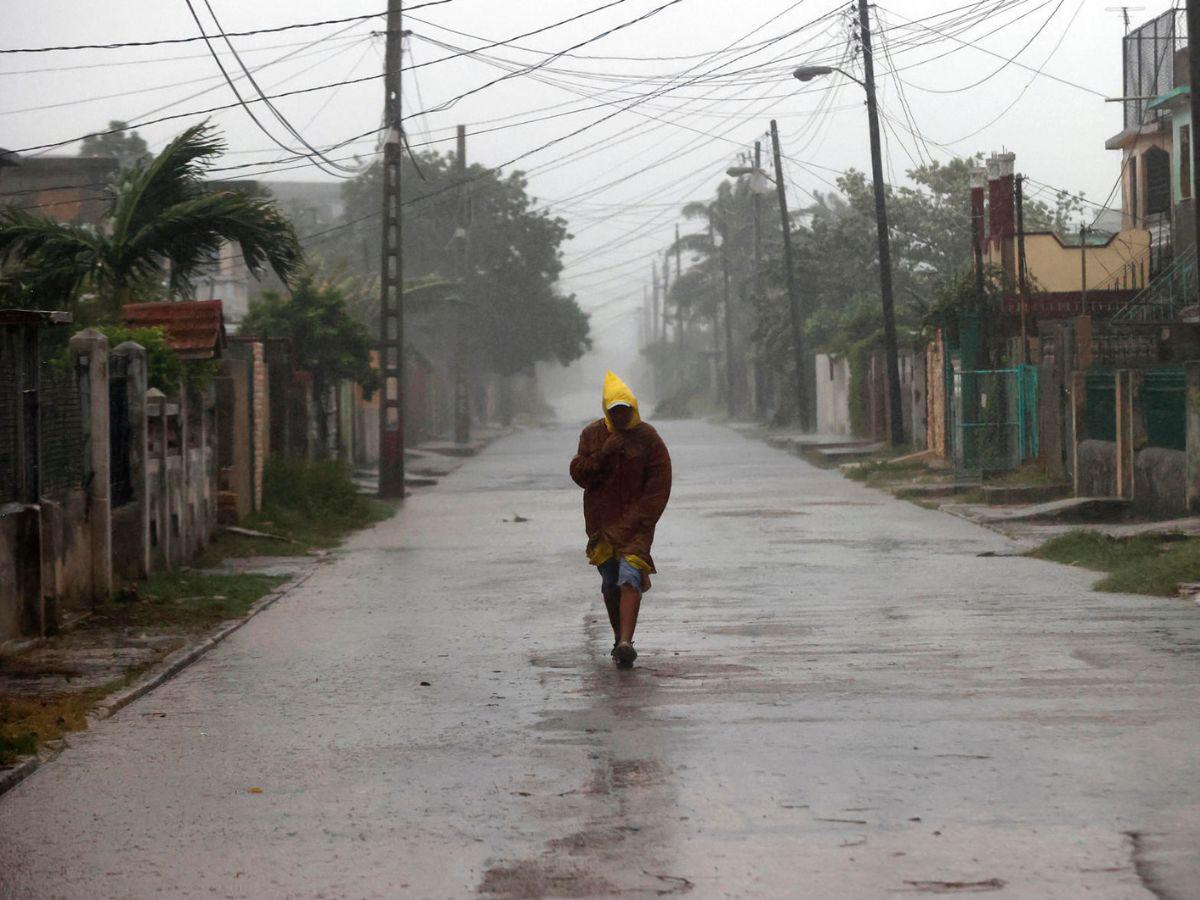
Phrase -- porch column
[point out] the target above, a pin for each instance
(1078, 422)
(135, 391)
(1124, 416)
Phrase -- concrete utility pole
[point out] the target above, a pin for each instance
(891, 354)
(1193, 27)
(462, 398)
(391, 275)
(795, 313)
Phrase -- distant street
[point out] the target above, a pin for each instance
(836, 697)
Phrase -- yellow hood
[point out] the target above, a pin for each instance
(617, 391)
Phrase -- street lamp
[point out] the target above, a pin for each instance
(805, 74)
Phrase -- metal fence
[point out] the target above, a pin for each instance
(994, 419)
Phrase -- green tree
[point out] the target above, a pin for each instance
(162, 226)
(505, 262)
(126, 147)
(326, 340)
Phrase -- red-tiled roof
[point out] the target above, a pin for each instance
(195, 328)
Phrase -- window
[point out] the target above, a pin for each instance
(1157, 162)
(1185, 161)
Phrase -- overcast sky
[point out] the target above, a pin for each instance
(718, 70)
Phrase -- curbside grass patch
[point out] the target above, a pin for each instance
(188, 599)
(310, 505)
(1146, 564)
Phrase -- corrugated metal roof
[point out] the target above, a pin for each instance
(195, 328)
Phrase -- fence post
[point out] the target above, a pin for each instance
(1078, 422)
(157, 486)
(1191, 412)
(1124, 422)
(90, 350)
(136, 377)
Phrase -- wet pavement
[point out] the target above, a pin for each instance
(836, 697)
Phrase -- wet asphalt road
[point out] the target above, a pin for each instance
(836, 697)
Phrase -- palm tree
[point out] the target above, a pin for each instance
(162, 226)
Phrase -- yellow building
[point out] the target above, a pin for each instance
(1108, 262)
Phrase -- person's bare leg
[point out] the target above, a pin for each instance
(631, 602)
(612, 602)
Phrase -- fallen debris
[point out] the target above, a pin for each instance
(949, 887)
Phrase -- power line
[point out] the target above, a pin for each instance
(303, 45)
(143, 62)
(1001, 56)
(194, 39)
(279, 117)
(233, 87)
(453, 100)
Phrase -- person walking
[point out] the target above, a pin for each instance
(625, 471)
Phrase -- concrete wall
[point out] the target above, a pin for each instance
(935, 396)
(1160, 482)
(1097, 475)
(833, 394)
(20, 572)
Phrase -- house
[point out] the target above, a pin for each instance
(1066, 276)
(1177, 105)
(1155, 64)
(65, 188)
(308, 205)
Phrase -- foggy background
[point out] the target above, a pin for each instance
(619, 183)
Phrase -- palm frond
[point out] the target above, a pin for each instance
(172, 177)
(47, 261)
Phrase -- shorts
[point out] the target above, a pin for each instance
(617, 572)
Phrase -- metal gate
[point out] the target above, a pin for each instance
(994, 419)
(120, 433)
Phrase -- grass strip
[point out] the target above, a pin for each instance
(1145, 564)
(189, 599)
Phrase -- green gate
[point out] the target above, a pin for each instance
(994, 418)
(1160, 403)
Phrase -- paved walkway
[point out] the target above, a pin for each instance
(836, 698)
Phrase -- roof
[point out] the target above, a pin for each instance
(34, 317)
(1172, 98)
(195, 328)
(1131, 135)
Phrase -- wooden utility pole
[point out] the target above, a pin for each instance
(654, 302)
(391, 275)
(1022, 274)
(716, 316)
(795, 313)
(891, 354)
(760, 392)
(462, 397)
(666, 289)
(1193, 26)
(730, 371)
(1083, 230)
(678, 306)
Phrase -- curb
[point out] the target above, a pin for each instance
(167, 668)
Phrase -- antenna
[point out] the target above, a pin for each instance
(1124, 11)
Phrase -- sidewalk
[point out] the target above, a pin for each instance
(63, 684)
